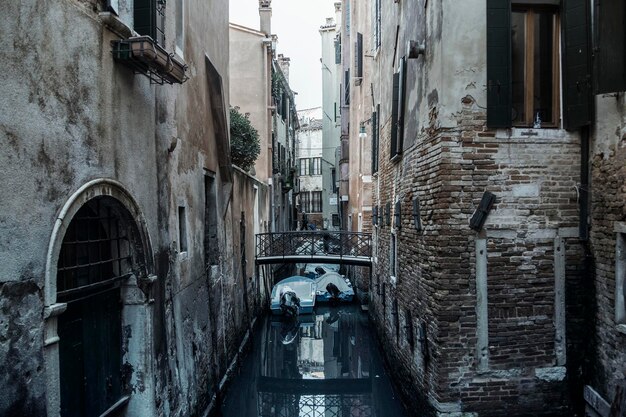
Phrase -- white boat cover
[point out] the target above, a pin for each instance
(335, 278)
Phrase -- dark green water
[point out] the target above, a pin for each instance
(326, 365)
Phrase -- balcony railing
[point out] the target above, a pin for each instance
(145, 56)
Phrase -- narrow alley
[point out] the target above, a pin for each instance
(295, 208)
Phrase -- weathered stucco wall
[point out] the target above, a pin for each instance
(250, 75)
(70, 115)
(608, 216)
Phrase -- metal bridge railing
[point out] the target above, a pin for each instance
(314, 244)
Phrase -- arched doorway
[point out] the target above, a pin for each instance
(96, 258)
(98, 319)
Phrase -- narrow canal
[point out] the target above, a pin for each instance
(327, 364)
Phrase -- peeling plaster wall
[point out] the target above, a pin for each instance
(608, 214)
(69, 115)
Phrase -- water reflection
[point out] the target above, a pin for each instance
(326, 364)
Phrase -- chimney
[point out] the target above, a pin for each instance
(330, 22)
(283, 62)
(338, 13)
(265, 14)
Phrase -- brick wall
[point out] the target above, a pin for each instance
(534, 180)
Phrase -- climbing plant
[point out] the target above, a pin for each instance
(244, 140)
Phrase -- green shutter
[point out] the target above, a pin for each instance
(359, 55)
(499, 63)
(394, 115)
(610, 62)
(577, 96)
(144, 17)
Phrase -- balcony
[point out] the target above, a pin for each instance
(144, 56)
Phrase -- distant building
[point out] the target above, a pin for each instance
(310, 167)
(331, 120)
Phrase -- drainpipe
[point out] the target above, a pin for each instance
(583, 201)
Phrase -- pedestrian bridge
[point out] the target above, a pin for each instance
(335, 247)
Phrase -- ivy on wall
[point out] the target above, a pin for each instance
(244, 140)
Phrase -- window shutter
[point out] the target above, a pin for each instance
(394, 115)
(359, 55)
(401, 106)
(610, 46)
(499, 97)
(375, 215)
(577, 96)
(144, 17)
(397, 215)
(374, 142)
(346, 86)
(338, 50)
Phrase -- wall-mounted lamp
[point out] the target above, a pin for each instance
(414, 49)
(362, 132)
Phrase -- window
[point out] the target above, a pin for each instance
(338, 50)
(316, 166)
(397, 110)
(346, 87)
(333, 179)
(375, 136)
(358, 58)
(180, 26)
(393, 252)
(336, 222)
(523, 64)
(316, 202)
(534, 66)
(304, 167)
(305, 202)
(182, 229)
(149, 19)
(376, 35)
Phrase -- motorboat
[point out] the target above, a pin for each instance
(315, 271)
(293, 296)
(333, 287)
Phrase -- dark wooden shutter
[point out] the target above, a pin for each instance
(401, 103)
(610, 46)
(388, 214)
(375, 215)
(374, 142)
(346, 86)
(499, 63)
(397, 215)
(359, 55)
(144, 17)
(394, 115)
(577, 96)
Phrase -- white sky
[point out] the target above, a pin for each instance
(296, 23)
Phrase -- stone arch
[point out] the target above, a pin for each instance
(136, 305)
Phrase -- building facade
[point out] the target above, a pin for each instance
(331, 120)
(120, 286)
(478, 189)
(310, 163)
